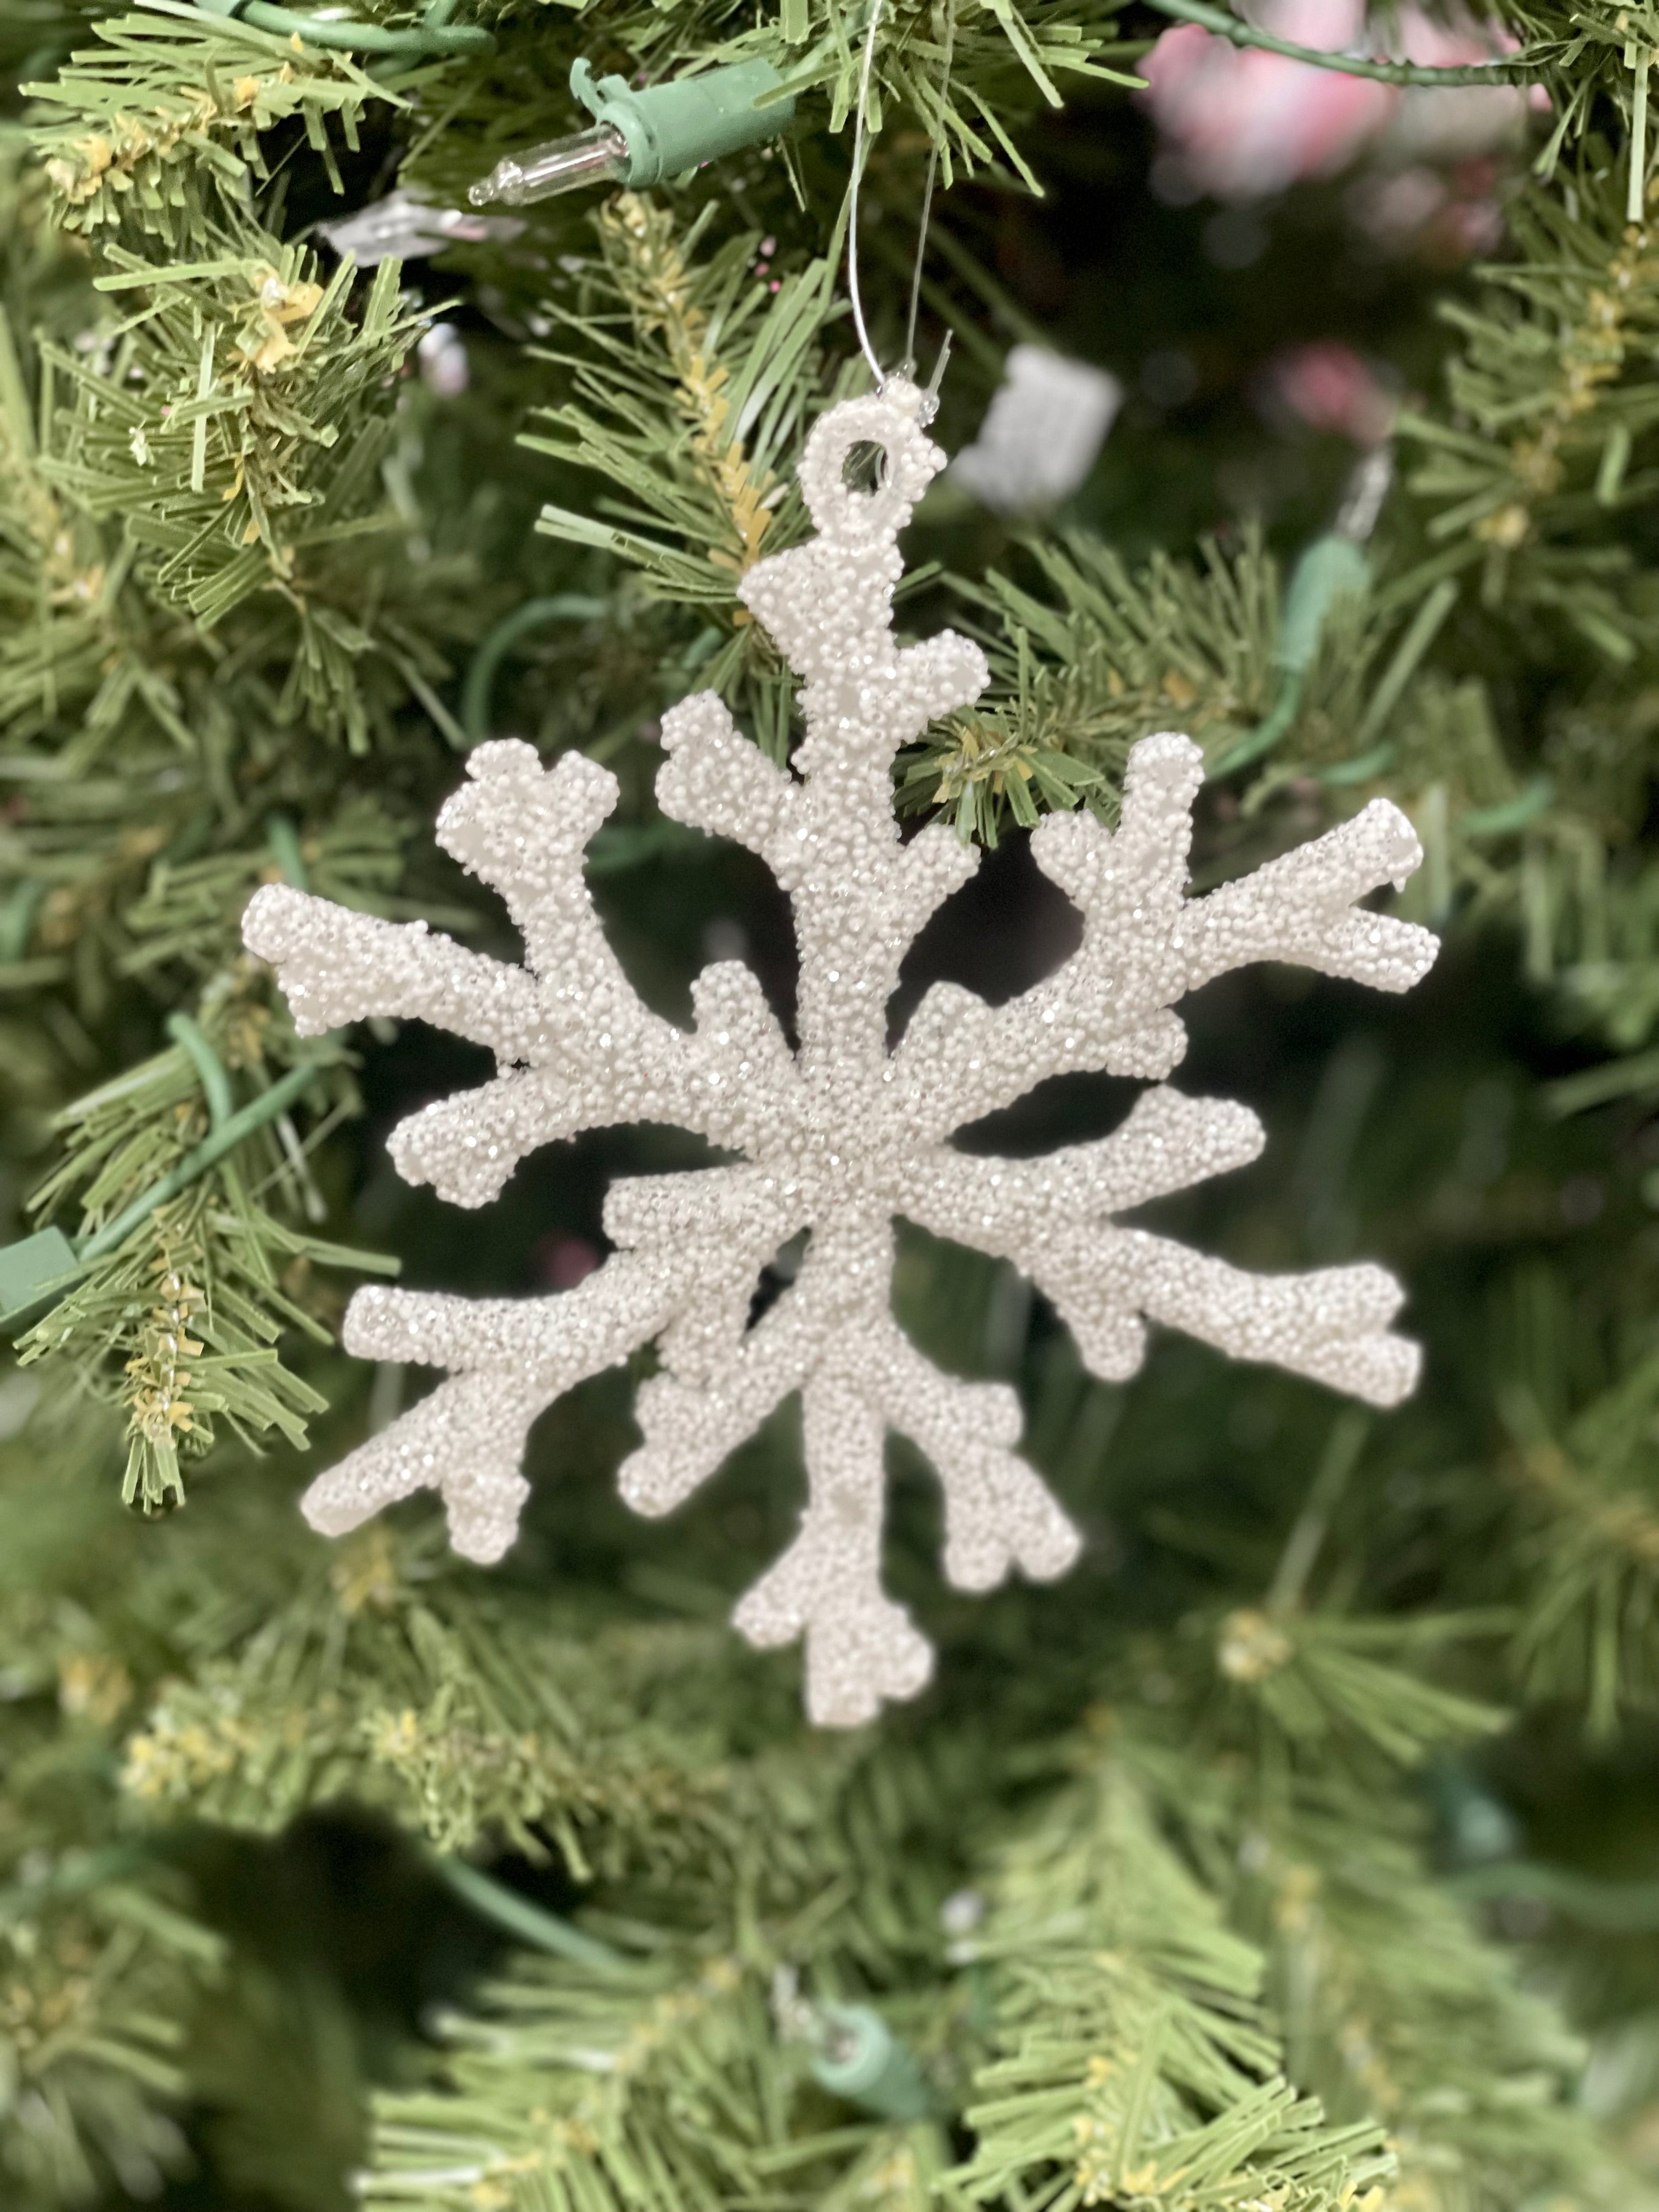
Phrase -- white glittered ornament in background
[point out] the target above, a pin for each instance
(839, 1135)
(1042, 432)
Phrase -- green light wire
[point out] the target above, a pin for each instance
(195, 1164)
(433, 37)
(478, 687)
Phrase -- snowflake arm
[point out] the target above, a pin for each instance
(997, 1515)
(575, 1045)
(1053, 1217)
(483, 1491)
(515, 1357)
(1303, 908)
(1144, 944)
(861, 1647)
(714, 781)
(1331, 1325)
(336, 966)
(523, 829)
(1166, 1143)
(693, 1423)
(826, 1589)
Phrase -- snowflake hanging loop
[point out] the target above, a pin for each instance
(839, 1135)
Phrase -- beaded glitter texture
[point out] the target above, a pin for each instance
(842, 1133)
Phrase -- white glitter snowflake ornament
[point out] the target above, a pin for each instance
(839, 1135)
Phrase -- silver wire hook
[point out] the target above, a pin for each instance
(930, 398)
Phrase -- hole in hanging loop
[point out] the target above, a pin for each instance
(865, 467)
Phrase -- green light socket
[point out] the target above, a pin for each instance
(670, 129)
(1333, 568)
(872, 2069)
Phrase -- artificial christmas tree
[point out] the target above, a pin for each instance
(1299, 1845)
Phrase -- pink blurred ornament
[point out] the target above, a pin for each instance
(1458, 121)
(1328, 386)
(1240, 124)
(1443, 217)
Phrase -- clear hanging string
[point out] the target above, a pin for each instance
(867, 71)
(928, 210)
(853, 294)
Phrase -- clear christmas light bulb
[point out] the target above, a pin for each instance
(557, 164)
